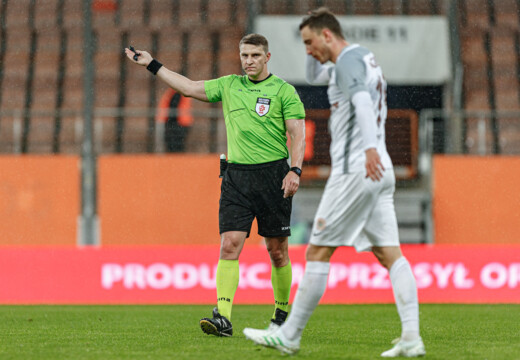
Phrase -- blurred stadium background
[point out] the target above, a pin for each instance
(82, 140)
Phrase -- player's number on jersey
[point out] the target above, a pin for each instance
(382, 95)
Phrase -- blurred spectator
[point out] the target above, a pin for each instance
(174, 111)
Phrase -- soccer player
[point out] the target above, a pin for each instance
(259, 110)
(357, 207)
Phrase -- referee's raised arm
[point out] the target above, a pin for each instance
(178, 82)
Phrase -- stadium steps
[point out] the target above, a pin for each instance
(491, 54)
(197, 21)
(44, 91)
(137, 87)
(229, 61)
(72, 95)
(504, 62)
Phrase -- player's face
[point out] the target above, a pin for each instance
(254, 61)
(315, 44)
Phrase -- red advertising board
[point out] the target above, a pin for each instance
(186, 275)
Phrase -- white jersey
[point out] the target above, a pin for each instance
(355, 70)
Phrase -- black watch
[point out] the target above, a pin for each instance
(296, 170)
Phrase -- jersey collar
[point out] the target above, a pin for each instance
(259, 81)
(346, 49)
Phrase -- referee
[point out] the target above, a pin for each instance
(260, 109)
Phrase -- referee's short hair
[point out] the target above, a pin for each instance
(320, 19)
(256, 40)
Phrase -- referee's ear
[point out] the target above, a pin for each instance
(268, 56)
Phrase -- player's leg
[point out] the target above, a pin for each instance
(227, 278)
(281, 277)
(404, 287)
(235, 219)
(273, 214)
(381, 229)
(311, 289)
(405, 293)
(338, 222)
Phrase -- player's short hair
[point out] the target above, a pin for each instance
(256, 40)
(320, 19)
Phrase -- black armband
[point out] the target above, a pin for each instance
(154, 66)
(296, 170)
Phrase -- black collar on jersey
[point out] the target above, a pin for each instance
(259, 81)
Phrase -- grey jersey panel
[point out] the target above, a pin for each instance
(351, 71)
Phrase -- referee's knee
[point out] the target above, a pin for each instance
(279, 257)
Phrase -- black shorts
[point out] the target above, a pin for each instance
(250, 191)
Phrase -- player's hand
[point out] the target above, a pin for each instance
(373, 165)
(143, 57)
(290, 184)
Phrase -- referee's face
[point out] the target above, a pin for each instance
(254, 61)
(315, 44)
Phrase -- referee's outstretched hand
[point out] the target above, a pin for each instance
(290, 184)
(143, 57)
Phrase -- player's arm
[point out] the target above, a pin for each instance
(296, 130)
(366, 120)
(351, 73)
(178, 82)
(315, 72)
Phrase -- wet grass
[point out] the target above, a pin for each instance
(172, 332)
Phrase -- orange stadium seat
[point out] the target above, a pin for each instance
(219, 13)
(73, 96)
(475, 83)
(170, 48)
(161, 14)
(17, 14)
(103, 19)
(509, 136)
(16, 64)
(504, 65)
(131, 12)
(73, 15)
(44, 91)
(476, 15)
(45, 14)
(189, 14)
(170, 19)
(361, 7)
(200, 55)
(507, 13)
(107, 68)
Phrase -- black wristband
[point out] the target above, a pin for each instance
(296, 170)
(154, 66)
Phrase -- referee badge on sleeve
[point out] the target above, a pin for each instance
(262, 106)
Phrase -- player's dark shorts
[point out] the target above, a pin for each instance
(250, 191)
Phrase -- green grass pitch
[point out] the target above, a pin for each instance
(172, 332)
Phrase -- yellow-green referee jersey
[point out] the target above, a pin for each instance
(255, 115)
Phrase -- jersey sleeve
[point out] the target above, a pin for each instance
(214, 88)
(316, 73)
(351, 75)
(292, 105)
